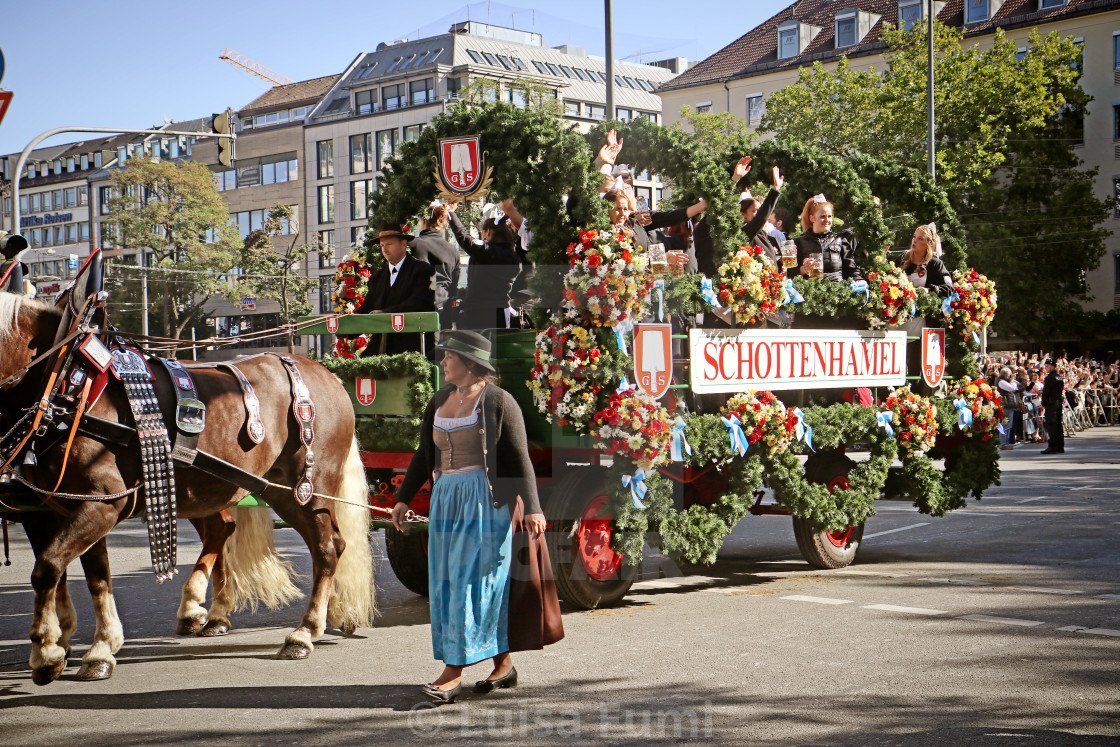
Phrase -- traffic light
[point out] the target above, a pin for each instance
(223, 125)
(11, 244)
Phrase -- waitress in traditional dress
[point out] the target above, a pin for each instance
(474, 450)
(923, 265)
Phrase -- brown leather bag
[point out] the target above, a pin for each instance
(534, 610)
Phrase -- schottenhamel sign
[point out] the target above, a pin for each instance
(734, 360)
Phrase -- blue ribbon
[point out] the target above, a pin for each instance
(735, 432)
(620, 338)
(999, 427)
(709, 293)
(976, 338)
(678, 438)
(623, 386)
(860, 286)
(804, 432)
(964, 413)
(637, 485)
(885, 419)
(660, 286)
(947, 304)
(791, 292)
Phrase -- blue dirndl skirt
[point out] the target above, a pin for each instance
(469, 554)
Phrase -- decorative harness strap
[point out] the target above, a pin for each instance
(304, 410)
(155, 460)
(254, 426)
(190, 412)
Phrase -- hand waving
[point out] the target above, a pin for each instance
(779, 180)
(609, 152)
(742, 168)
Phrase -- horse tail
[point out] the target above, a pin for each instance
(352, 594)
(254, 572)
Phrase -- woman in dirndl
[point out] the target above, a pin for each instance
(474, 450)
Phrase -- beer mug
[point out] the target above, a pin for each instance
(658, 263)
(789, 254)
(816, 265)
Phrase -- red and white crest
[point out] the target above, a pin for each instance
(304, 412)
(653, 358)
(183, 383)
(398, 322)
(933, 356)
(332, 323)
(460, 163)
(365, 389)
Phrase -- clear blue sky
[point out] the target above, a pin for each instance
(126, 63)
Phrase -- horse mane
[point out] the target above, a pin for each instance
(10, 305)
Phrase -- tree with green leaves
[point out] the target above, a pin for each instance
(1006, 130)
(271, 258)
(716, 132)
(172, 213)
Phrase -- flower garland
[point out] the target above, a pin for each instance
(348, 346)
(349, 285)
(972, 306)
(633, 426)
(893, 299)
(606, 280)
(763, 419)
(750, 285)
(916, 419)
(978, 407)
(571, 365)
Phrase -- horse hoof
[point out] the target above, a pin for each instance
(47, 675)
(214, 628)
(95, 670)
(348, 628)
(294, 651)
(190, 626)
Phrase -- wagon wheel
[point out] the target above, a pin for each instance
(823, 548)
(408, 557)
(589, 573)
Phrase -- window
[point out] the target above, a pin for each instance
(386, 146)
(71, 233)
(580, 74)
(31, 171)
(23, 203)
(83, 232)
(97, 160)
(594, 76)
(1046, 4)
(393, 97)
(407, 61)
(225, 180)
(621, 83)
(365, 102)
(326, 203)
(646, 85)
(788, 41)
(567, 71)
(975, 11)
(70, 197)
(518, 63)
(623, 115)
(359, 199)
(1116, 273)
(517, 96)
(395, 65)
(909, 14)
(553, 69)
(361, 159)
(59, 236)
(357, 235)
(475, 56)
(58, 168)
(412, 132)
(571, 108)
(505, 62)
(326, 242)
(453, 86)
(544, 71)
(491, 59)
(1020, 54)
(249, 174)
(83, 196)
(421, 91)
(630, 82)
(594, 111)
(704, 107)
(324, 150)
(105, 195)
(71, 164)
(845, 31)
(754, 109)
(36, 237)
(57, 199)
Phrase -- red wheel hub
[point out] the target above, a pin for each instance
(842, 537)
(594, 541)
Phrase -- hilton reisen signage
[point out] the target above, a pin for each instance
(735, 360)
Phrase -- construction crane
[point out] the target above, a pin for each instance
(253, 67)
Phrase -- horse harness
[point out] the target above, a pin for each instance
(60, 414)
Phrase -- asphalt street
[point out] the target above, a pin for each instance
(996, 625)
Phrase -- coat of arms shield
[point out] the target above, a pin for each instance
(933, 356)
(653, 358)
(365, 390)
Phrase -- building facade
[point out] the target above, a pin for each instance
(741, 77)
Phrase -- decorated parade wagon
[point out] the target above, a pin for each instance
(663, 408)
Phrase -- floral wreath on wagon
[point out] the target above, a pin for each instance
(349, 292)
(972, 305)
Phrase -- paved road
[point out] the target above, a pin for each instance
(996, 625)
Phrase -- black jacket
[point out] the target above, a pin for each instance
(659, 219)
(1052, 387)
(431, 247)
(838, 250)
(754, 226)
(509, 472)
(493, 268)
(412, 292)
(938, 279)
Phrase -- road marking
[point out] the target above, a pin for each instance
(1031, 500)
(847, 572)
(1072, 629)
(1040, 590)
(1108, 596)
(818, 600)
(1002, 620)
(892, 531)
(970, 513)
(1102, 631)
(912, 610)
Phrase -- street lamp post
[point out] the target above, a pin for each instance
(609, 23)
(931, 146)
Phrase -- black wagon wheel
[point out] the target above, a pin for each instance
(408, 557)
(824, 548)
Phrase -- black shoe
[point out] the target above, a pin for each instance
(444, 696)
(503, 682)
(1052, 451)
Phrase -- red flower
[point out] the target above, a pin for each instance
(904, 436)
(349, 292)
(626, 255)
(594, 261)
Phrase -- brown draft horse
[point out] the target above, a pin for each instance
(247, 570)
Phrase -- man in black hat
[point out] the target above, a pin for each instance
(1052, 388)
(403, 284)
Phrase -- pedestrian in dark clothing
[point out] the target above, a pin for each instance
(493, 267)
(1052, 387)
(403, 284)
(431, 247)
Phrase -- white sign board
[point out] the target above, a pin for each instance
(735, 360)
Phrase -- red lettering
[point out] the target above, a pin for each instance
(896, 368)
(835, 359)
(853, 363)
(710, 362)
(745, 360)
(806, 359)
(759, 373)
(726, 371)
(867, 355)
(885, 350)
